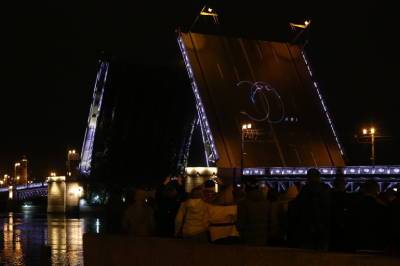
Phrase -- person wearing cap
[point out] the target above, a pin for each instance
(208, 192)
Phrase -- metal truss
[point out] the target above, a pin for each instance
(353, 184)
(30, 193)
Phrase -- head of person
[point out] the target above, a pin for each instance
(170, 192)
(371, 188)
(140, 195)
(313, 176)
(252, 185)
(196, 193)
(224, 197)
(291, 192)
(388, 196)
(339, 184)
(209, 184)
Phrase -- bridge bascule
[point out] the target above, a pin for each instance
(236, 81)
(272, 86)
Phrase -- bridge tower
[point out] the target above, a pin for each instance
(64, 192)
(63, 195)
(21, 172)
(72, 164)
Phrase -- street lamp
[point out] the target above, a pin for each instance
(245, 128)
(371, 132)
(300, 28)
(6, 179)
(206, 11)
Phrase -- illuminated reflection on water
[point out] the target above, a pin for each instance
(33, 238)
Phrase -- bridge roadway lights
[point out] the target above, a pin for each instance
(63, 195)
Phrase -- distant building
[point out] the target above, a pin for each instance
(21, 172)
(73, 159)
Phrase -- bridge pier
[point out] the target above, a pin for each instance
(11, 201)
(63, 196)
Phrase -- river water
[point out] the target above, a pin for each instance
(32, 237)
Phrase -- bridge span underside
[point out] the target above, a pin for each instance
(267, 84)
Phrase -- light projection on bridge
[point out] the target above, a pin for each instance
(261, 93)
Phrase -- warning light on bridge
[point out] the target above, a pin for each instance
(208, 11)
(301, 26)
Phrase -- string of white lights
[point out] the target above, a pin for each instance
(348, 170)
(323, 104)
(205, 128)
(87, 147)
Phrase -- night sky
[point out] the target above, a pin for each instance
(50, 54)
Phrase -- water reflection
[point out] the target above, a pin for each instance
(11, 244)
(33, 238)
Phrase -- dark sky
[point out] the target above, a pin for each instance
(50, 53)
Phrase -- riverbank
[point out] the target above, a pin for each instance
(102, 250)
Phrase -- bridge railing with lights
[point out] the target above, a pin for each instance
(282, 177)
(26, 187)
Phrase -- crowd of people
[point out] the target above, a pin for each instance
(313, 216)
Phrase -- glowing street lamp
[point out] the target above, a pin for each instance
(6, 179)
(208, 11)
(53, 174)
(371, 132)
(301, 26)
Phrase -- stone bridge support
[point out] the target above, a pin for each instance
(63, 196)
